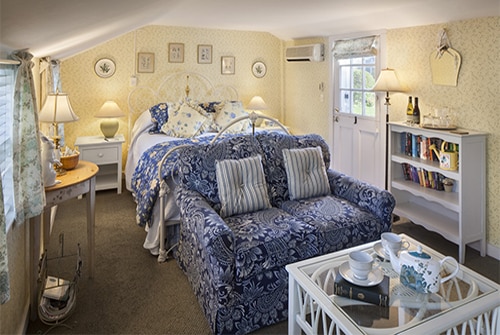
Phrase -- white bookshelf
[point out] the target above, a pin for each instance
(460, 215)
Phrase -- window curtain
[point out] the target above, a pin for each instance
(27, 172)
(357, 47)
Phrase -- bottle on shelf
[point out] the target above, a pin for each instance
(409, 110)
(416, 112)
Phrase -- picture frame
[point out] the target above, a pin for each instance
(105, 68)
(204, 54)
(259, 69)
(145, 62)
(227, 64)
(176, 52)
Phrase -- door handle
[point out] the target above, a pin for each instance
(336, 119)
(355, 120)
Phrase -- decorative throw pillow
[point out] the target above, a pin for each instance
(159, 116)
(306, 173)
(242, 186)
(227, 112)
(184, 122)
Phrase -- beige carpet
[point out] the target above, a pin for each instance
(133, 294)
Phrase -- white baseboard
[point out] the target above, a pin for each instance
(491, 250)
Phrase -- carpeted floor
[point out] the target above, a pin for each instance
(133, 294)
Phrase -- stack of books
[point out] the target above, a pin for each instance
(378, 294)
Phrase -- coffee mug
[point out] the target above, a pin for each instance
(361, 264)
(394, 242)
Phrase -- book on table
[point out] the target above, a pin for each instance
(378, 294)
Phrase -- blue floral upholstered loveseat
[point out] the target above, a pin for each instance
(235, 258)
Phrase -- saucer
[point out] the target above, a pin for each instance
(380, 251)
(375, 276)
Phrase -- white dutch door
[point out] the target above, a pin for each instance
(358, 126)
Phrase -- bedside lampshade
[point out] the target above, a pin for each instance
(57, 109)
(110, 111)
(257, 104)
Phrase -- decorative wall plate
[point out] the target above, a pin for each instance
(105, 68)
(259, 69)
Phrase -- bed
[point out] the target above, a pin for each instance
(151, 140)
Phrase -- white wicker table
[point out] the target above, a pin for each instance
(469, 303)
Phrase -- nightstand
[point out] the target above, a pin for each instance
(107, 154)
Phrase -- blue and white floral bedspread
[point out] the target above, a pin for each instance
(145, 182)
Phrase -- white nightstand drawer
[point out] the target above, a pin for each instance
(100, 155)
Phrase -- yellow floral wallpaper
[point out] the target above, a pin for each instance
(474, 101)
(88, 92)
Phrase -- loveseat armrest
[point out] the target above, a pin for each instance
(212, 240)
(378, 201)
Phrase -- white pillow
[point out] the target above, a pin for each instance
(185, 121)
(306, 173)
(226, 113)
(242, 186)
(143, 122)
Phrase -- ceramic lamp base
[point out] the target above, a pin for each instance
(109, 127)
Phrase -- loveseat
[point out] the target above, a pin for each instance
(235, 258)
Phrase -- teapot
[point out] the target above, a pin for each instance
(448, 159)
(418, 271)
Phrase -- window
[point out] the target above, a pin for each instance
(7, 85)
(356, 78)
(355, 65)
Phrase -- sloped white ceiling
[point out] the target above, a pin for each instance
(62, 28)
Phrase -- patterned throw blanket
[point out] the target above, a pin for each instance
(145, 182)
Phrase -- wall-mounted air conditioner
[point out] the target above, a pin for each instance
(305, 53)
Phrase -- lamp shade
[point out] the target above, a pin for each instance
(109, 109)
(57, 109)
(388, 81)
(257, 104)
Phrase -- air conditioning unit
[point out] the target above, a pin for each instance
(305, 53)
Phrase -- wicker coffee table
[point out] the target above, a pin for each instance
(468, 302)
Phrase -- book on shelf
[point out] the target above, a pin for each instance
(424, 178)
(378, 295)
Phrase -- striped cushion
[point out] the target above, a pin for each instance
(242, 186)
(306, 173)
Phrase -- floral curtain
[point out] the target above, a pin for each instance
(355, 47)
(28, 188)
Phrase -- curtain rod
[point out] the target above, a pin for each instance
(9, 61)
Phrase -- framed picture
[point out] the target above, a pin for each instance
(145, 62)
(259, 69)
(227, 65)
(104, 67)
(204, 54)
(176, 52)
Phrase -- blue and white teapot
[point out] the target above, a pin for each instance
(418, 271)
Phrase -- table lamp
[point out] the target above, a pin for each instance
(109, 111)
(57, 109)
(257, 105)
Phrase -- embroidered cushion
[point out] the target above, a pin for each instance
(242, 186)
(306, 173)
(185, 121)
(227, 112)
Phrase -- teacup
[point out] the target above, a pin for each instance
(361, 264)
(394, 242)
